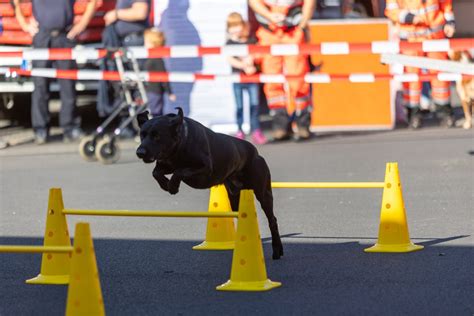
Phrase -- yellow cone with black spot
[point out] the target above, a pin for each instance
(220, 233)
(84, 296)
(248, 263)
(54, 266)
(393, 229)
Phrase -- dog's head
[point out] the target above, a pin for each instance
(160, 136)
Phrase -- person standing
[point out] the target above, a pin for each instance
(156, 91)
(284, 22)
(238, 34)
(130, 20)
(420, 20)
(52, 26)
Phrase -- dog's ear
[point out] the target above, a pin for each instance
(178, 119)
(142, 118)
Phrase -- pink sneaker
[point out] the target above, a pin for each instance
(258, 137)
(240, 135)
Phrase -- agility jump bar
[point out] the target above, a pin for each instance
(328, 185)
(187, 51)
(231, 78)
(131, 213)
(36, 249)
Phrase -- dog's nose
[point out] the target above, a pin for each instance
(141, 152)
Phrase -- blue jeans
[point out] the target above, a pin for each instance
(252, 90)
(155, 103)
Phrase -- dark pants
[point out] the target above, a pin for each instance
(253, 92)
(155, 103)
(129, 41)
(40, 98)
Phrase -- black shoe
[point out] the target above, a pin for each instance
(41, 137)
(73, 135)
(303, 122)
(446, 116)
(414, 118)
(281, 125)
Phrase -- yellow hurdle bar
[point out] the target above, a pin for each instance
(148, 213)
(35, 249)
(327, 185)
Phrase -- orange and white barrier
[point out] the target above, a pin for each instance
(187, 51)
(231, 78)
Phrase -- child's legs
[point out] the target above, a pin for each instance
(155, 103)
(239, 113)
(253, 92)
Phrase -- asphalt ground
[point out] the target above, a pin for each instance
(147, 266)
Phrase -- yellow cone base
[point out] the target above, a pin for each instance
(215, 245)
(410, 247)
(248, 286)
(49, 279)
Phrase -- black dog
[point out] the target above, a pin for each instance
(201, 158)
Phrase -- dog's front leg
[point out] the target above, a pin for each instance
(159, 176)
(174, 182)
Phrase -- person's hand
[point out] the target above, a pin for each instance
(417, 20)
(277, 18)
(77, 29)
(110, 17)
(172, 97)
(248, 61)
(449, 30)
(250, 70)
(32, 27)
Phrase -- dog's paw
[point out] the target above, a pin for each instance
(173, 187)
(277, 252)
(173, 191)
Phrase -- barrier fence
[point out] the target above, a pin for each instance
(187, 51)
(231, 78)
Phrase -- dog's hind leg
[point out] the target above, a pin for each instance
(233, 194)
(260, 182)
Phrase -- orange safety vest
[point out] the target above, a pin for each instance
(447, 7)
(402, 13)
(292, 9)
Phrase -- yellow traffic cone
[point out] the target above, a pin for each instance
(220, 233)
(393, 229)
(248, 263)
(84, 296)
(54, 266)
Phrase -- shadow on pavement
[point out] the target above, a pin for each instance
(166, 277)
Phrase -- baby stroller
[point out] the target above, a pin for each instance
(102, 145)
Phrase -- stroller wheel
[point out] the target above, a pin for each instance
(87, 148)
(107, 152)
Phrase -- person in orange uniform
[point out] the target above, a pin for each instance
(447, 7)
(420, 20)
(284, 22)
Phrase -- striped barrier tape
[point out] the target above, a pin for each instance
(231, 78)
(187, 51)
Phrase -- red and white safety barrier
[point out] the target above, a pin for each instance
(186, 51)
(231, 78)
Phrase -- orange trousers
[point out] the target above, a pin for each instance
(299, 91)
(440, 90)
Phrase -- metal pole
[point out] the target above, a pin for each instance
(132, 213)
(35, 249)
(327, 185)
